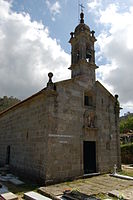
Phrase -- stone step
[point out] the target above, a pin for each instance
(9, 196)
(34, 196)
(91, 175)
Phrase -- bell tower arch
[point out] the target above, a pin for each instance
(82, 50)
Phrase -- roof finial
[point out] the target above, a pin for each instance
(82, 13)
(50, 84)
(82, 7)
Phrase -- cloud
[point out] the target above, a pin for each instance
(116, 44)
(115, 47)
(27, 54)
(93, 4)
(54, 8)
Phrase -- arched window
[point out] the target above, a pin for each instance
(88, 55)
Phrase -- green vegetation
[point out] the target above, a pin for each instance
(7, 102)
(127, 173)
(127, 153)
(105, 196)
(126, 124)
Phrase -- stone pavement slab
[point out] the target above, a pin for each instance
(127, 194)
(11, 178)
(76, 195)
(16, 181)
(4, 178)
(35, 196)
(9, 196)
(89, 186)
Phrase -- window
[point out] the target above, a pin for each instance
(88, 100)
(8, 155)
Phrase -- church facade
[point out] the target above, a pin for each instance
(68, 129)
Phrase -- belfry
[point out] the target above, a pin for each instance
(82, 50)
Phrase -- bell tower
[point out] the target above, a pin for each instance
(82, 50)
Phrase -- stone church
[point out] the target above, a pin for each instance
(68, 129)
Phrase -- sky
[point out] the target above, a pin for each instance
(34, 37)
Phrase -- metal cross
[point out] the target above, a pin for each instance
(82, 7)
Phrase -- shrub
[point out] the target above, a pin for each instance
(127, 153)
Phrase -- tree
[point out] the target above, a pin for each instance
(126, 124)
(7, 102)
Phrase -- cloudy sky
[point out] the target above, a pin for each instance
(34, 38)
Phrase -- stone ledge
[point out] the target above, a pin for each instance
(122, 176)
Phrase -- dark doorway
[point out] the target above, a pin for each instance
(8, 155)
(89, 157)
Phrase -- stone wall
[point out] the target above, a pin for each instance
(108, 132)
(23, 128)
(65, 140)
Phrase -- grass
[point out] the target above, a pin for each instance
(127, 145)
(127, 172)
